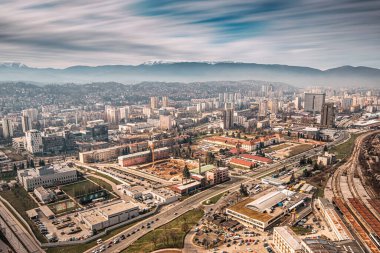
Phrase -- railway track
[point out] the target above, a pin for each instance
(354, 206)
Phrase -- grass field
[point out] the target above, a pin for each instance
(21, 201)
(301, 230)
(345, 149)
(213, 200)
(299, 149)
(105, 176)
(102, 183)
(170, 235)
(84, 247)
(277, 147)
(80, 188)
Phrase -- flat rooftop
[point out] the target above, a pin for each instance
(46, 170)
(93, 216)
(290, 237)
(117, 208)
(242, 208)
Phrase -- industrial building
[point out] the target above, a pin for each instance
(143, 157)
(333, 220)
(109, 214)
(262, 213)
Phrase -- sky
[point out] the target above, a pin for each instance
(315, 33)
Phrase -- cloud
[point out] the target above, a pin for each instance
(319, 34)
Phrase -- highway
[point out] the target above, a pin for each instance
(16, 234)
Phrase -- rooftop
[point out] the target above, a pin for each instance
(290, 237)
(269, 200)
(45, 170)
(242, 208)
(116, 208)
(257, 158)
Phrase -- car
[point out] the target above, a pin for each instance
(175, 213)
(122, 237)
(157, 219)
(228, 245)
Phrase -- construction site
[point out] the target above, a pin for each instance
(170, 169)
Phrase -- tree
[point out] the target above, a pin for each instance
(14, 167)
(186, 173)
(306, 173)
(239, 135)
(243, 190)
(325, 149)
(22, 166)
(27, 164)
(302, 161)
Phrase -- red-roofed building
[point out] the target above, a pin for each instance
(238, 162)
(249, 145)
(257, 158)
(236, 151)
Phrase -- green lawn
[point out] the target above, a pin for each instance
(213, 200)
(105, 176)
(299, 149)
(102, 183)
(345, 149)
(22, 202)
(170, 235)
(301, 230)
(80, 188)
(84, 247)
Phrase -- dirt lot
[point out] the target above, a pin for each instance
(170, 170)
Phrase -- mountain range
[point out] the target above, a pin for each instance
(344, 76)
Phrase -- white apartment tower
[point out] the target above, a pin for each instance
(165, 101)
(154, 102)
(32, 113)
(7, 128)
(26, 123)
(33, 139)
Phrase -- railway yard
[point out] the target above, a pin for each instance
(353, 195)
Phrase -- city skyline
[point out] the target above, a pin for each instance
(319, 35)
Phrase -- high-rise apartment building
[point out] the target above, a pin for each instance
(297, 103)
(33, 139)
(32, 113)
(165, 101)
(113, 115)
(166, 122)
(124, 113)
(273, 106)
(263, 108)
(314, 102)
(26, 123)
(328, 115)
(154, 102)
(228, 116)
(7, 128)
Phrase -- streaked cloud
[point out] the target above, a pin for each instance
(319, 34)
